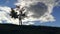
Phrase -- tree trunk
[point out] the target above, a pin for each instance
(20, 18)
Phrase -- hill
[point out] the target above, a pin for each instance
(24, 29)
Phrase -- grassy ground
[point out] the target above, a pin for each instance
(28, 29)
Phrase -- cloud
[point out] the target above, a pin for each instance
(38, 10)
(57, 3)
(5, 17)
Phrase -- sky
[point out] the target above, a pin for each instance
(9, 3)
(55, 13)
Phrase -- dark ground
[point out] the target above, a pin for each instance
(15, 29)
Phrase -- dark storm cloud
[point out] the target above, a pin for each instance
(38, 9)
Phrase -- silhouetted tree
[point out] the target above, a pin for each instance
(21, 15)
(13, 14)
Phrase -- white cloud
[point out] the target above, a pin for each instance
(4, 16)
(58, 2)
(38, 9)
